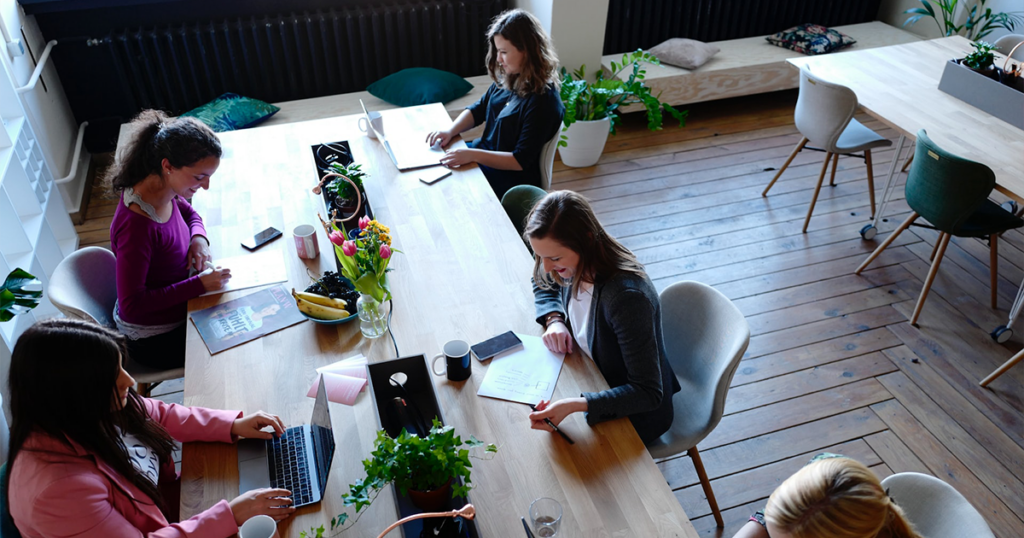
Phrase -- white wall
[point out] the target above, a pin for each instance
(891, 12)
(576, 28)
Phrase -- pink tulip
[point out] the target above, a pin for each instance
(385, 252)
(337, 238)
(364, 222)
(349, 248)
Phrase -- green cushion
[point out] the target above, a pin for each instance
(231, 111)
(419, 86)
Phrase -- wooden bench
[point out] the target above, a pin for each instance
(748, 66)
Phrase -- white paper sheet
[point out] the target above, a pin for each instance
(354, 366)
(527, 375)
(252, 270)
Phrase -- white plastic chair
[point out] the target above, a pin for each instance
(824, 116)
(1006, 43)
(705, 337)
(83, 287)
(547, 159)
(934, 508)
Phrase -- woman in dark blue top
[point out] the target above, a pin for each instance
(522, 108)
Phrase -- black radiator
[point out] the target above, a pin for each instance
(634, 24)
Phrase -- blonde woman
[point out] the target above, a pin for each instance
(832, 496)
(522, 108)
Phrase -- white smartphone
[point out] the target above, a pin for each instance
(433, 175)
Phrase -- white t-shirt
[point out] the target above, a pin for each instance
(579, 315)
(142, 456)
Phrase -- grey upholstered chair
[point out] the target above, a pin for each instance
(518, 202)
(1006, 43)
(83, 287)
(824, 116)
(934, 508)
(547, 159)
(705, 336)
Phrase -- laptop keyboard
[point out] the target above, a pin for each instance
(288, 465)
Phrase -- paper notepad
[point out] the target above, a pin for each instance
(343, 380)
(527, 375)
(252, 270)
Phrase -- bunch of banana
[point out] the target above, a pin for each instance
(320, 307)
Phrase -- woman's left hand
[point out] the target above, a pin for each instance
(199, 253)
(457, 157)
(251, 426)
(556, 412)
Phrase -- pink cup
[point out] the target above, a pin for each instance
(305, 241)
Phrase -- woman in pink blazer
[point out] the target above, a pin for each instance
(90, 457)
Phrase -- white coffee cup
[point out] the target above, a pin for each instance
(258, 527)
(305, 241)
(364, 126)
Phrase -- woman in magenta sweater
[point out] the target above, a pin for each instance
(90, 457)
(159, 240)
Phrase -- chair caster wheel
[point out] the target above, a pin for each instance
(868, 232)
(1002, 334)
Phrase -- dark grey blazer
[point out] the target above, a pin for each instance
(627, 344)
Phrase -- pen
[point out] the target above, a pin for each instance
(553, 427)
(529, 533)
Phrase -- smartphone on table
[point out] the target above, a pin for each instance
(261, 238)
(495, 346)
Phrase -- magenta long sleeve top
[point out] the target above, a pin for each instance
(153, 286)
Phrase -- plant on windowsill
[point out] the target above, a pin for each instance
(980, 22)
(591, 109)
(20, 293)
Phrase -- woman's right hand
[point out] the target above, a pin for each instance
(215, 278)
(442, 137)
(270, 502)
(557, 337)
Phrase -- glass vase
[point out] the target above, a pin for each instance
(372, 318)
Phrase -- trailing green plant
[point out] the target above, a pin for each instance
(411, 462)
(20, 293)
(343, 189)
(982, 58)
(586, 101)
(980, 20)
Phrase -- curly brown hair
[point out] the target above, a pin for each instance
(540, 64)
(182, 141)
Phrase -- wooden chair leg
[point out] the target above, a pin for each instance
(935, 249)
(817, 189)
(993, 247)
(943, 242)
(871, 180)
(792, 156)
(835, 163)
(1002, 369)
(906, 165)
(142, 389)
(888, 240)
(705, 483)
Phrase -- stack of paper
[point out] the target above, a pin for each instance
(343, 380)
(527, 375)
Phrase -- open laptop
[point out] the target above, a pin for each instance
(298, 461)
(405, 144)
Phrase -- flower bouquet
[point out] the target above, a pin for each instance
(364, 261)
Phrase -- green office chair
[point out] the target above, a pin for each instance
(518, 202)
(952, 194)
(7, 528)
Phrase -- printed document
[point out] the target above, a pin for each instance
(526, 375)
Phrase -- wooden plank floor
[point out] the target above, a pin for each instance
(833, 364)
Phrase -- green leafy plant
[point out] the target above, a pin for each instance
(342, 189)
(980, 20)
(586, 101)
(981, 59)
(20, 293)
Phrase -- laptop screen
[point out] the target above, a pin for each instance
(323, 436)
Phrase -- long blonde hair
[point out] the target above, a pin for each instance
(839, 498)
(540, 64)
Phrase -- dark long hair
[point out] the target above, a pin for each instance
(182, 141)
(63, 384)
(540, 64)
(567, 218)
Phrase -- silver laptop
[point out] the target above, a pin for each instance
(406, 145)
(298, 461)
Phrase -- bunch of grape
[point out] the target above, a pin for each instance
(335, 286)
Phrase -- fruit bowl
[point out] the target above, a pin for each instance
(336, 287)
(331, 321)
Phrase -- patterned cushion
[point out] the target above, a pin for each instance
(811, 39)
(231, 111)
(419, 86)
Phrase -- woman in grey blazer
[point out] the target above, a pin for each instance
(590, 290)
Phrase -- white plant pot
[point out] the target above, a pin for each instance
(585, 142)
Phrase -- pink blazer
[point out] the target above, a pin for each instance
(61, 491)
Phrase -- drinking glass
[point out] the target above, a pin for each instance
(546, 515)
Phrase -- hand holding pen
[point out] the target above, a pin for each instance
(542, 414)
(214, 278)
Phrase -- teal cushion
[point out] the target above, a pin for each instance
(419, 86)
(231, 111)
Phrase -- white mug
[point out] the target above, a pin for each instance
(258, 527)
(364, 126)
(305, 241)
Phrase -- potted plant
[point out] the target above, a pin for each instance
(980, 20)
(341, 195)
(981, 60)
(591, 108)
(20, 293)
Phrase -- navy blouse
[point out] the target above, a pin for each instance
(520, 125)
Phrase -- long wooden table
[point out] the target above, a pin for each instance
(899, 85)
(463, 273)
